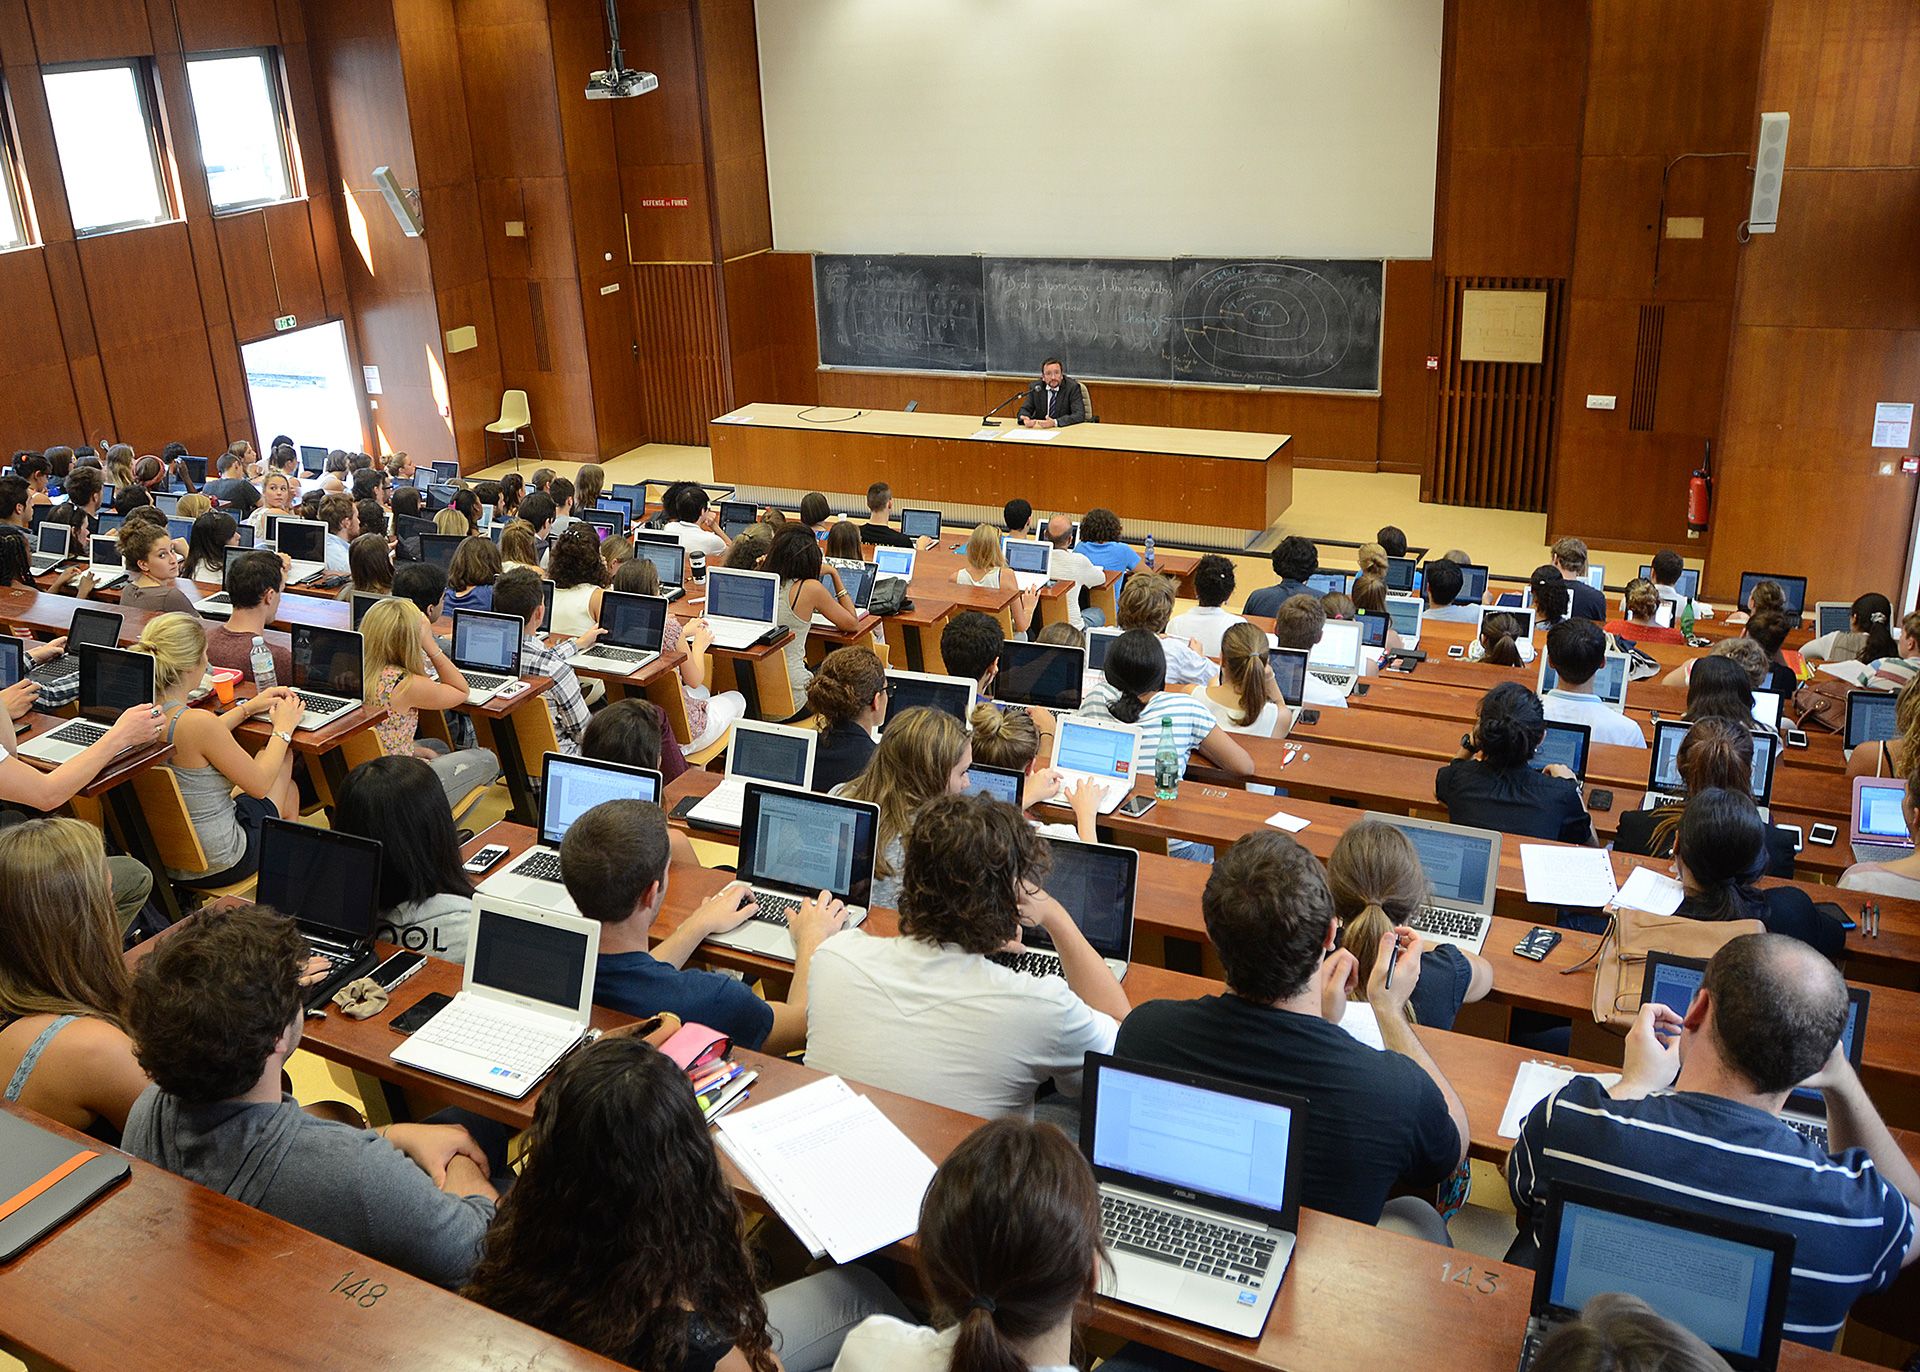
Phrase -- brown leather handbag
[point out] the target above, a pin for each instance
(1621, 962)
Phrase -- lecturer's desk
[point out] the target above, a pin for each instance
(1193, 476)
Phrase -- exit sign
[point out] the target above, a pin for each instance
(284, 322)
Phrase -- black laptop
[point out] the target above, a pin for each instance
(328, 883)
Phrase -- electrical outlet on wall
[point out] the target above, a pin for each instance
(1600, 402)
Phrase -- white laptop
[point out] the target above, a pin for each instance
(112, 680)
(1403, 613)
(1029, 560)
(777, 753)
(636, 628)
(1463, 868)
(486, 649)
(525, 1000)
(1521, 616)
(304, 542)
(1335, 659)
(569, 787)
(54, 546)
(894, 562)
(1609, 683)
(1097, 750)
(858, 578)
(1665, 786)
(104, 564)
(1596, 576)
(327, 674)
(793, 845)
(1094, 883)
(1766, 708)
(742, 607)
(1199, 1190)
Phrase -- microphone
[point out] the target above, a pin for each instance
(988, 417)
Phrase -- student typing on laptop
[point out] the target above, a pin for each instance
(1898, 876)
(518, 593)
(614, 861)
(1576, 651)
(1714, 754)
(1490, 786)
(1700, 1088)
(1378, 1120)
(216, 1011)
(708, 715)
(809, 586)
(397, 647)
(1298, 624)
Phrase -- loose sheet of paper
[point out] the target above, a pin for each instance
(1292, 824)
(1360, 1021)
(1567, 876)
(1651, 891)
(985, 433)
(1533, 1083)
(1037, 435)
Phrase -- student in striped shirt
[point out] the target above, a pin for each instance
(1694, 1122)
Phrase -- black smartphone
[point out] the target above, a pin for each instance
(1600, 800)
(685, 805)
(1135, 806)
(397, 969)
(1307, 717)
(420, 1012)
(1539, 941)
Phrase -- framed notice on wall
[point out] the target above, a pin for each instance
(1502, 326)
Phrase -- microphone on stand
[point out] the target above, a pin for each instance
(988, 417)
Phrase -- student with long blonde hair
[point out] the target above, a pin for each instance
(984, 566)
(924, 753)
(208, 761)
(519, 547)
(1246, 699)
(1377, 883)
(397, 645)
(276, 498)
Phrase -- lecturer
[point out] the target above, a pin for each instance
(1055, 400)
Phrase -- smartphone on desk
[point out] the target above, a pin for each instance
(1137, 805)
(420, 1012)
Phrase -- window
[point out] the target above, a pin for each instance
(13, 219)
(302, 383)
(109, 149)
(243, 128)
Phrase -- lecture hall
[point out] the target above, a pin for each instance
(934, 686)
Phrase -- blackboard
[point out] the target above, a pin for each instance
(1300, 323)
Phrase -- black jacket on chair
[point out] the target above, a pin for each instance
(1069, 407)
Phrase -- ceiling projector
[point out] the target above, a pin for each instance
(622, 84)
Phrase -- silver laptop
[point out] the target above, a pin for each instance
(327, 674)
(1404, 612)
(1463, 869)
(1872, 716)
(669, 559)
(219, 605)
(112, 680)
(1609, 683)
(486, 649)
(1199, 1190)
(525, 1000)
(569, 787)
(794, 845)
(952, 695)
(304, 541)
(1094, 883)
(104, 563)
(1665, 785)
(100, 628)
(54, 546)
(858, 578)
(1521, 617)
(1029, 559)
(1096, 750)
(742, 607)
(1335, 659)
(636, 627)
(894, 562)
(757, 752)
(1832, 617)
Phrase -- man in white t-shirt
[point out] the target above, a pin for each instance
(1577, 650)
(693, 523)
(1213, 582)
(927, 1013)
(1299, 624)
(1068, 565)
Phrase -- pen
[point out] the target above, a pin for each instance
(1286, 758)
(1393, 954)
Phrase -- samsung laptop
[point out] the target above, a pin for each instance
(1463, 869)
(1199, 1190)
(569, 787)
(112, 680)
(1086, 749)
(486, 649)
(328, 884)
(636, 628)
(327, 674)
(794, 845)
(526, 999)
(742, 607)
(1094, 883)
(776, 753)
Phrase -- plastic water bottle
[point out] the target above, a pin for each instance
(1149, 550)
(262, 660)
(1166, 764)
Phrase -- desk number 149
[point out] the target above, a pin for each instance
(362, 1293)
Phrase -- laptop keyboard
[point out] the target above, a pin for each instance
(218, 598)
(773, 909)
(521, 1048)
(619, 654)
(1197, 1245)
(541, 866)
(1031, 963)
(484, 681)
(56, 673)
(1431, 919)
(1333, 678)
(1813, 1129)
(320, 705)
(80, 733)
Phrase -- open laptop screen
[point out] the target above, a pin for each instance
(1338, 647)
(1880, 815)
(1459, 866)
(1667, 737)
(1093, 750)
(1400, 572)
(920, 523)
(1473, 585)
(669, 563)
(1098, 641)
(1688, 585)
(328, 882)
(100, 628)
(765, 756)
(1794, 588)
(1214, 1143)
(1564, 744)
(1404, 611)
(634, 621)
(1373, 630)
(1047, 674)
(528, 957)
(1289, 673)
(327, 660)
(1025, 555)
(113, 680)
(13, 660)
(1094, 883)
(55, 538)
(1832, 617)
(1328, 583)
(487, 641)
(303, 540)
(893, 561)
(797, 840)
(572, 786)
(1871, 716)
(949, 696)
(1609, 683)
(1002, 783)
(1852, 1041)
(731, 595)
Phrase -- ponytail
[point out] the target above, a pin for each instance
(981, 1347)
(1872, 615)
(1126, 708)
(1362, 936)
(1243, 658)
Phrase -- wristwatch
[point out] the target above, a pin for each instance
(285, 735)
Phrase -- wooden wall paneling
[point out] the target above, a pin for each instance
(1510, 211)
(1669, 76)
(36, 391)
(1850, 75)
(294, 263)
(16, 32)
(1625, 490)
(731, 80)
(1691, 387)
(69, 287)
(39, 156)
(892, 391)
(1615, 229)
(65, 31)
(1513, 65)
(163, 390)
(680, 346)
(1846, 254)
(1406, 386)
(315, 165)
(1496, 421)
(776, 348)
(245, 262)
(230, 385)
(436, 114)
(661, 147)
(209, 25)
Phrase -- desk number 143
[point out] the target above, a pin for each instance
(1486, 1283)
(362, 1293)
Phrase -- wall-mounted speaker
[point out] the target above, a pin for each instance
(1769, 172)
(404, 203)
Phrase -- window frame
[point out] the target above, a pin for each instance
(141, 69)
(274, 68)
(12, 182)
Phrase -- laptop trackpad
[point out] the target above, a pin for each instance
(1143, 1281)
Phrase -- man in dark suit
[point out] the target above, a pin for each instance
(1054, 401)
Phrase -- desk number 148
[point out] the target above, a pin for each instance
(362, 1293)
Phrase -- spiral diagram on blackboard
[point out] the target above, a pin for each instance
(1258, 318)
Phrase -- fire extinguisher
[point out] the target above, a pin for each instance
(1700, 495)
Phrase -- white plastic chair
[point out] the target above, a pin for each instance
(515, 419)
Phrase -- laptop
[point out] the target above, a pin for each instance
(1463, 868)
(1029, 560)
(168, 503)
(1094, 883)
(569, 787)
(53, 547)
(486, 649)
(446, 470)
(1404, 612)
(608, 523)
(918, 524)
(1289, 673)
(1687, 587)
(1832, 617)
(1766, 708)
(1566, 745)
(1329, 583)
(112, 680)
(742, 607)
(1098, 641)
(50, 1179)
(1335, 658)
(1199, 1190)
(1520, 615)
(1402, 575)
(219, 605)
(98, 628)
(525, 1000)
(1473, 584)
(794, 845)
(328, 883)
(951, 695)
(1006, 784)
(1373, 630)
(439, 548)
(1665, 785)
(633, 492)
(1609, 683)
(1879, 827)
(775, 753)
(1096, 750)
(305, 542)
(1872, 716)
(636, 627)
(313, 460)
(1793, 587)
(104, 563)
(1724, 1282)
(1044, 674)
(327, 674)
(737, 516)
(894, 562)
(859, 579)
(362, 601)
(669, 564)
(1596, 576)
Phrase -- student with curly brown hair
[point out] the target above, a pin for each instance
(848, 697)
